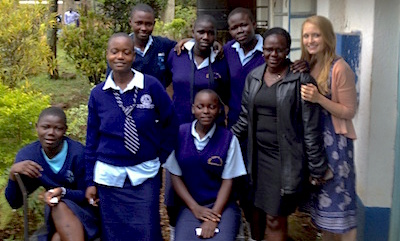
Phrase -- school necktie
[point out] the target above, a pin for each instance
(131, 137)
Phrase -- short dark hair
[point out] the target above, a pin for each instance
(117, 35)
(245, 11)
(142, 7)
(54, 111)
(279, 31)
(212, 92)
(206, 18)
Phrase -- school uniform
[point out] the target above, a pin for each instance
(240, 66)
(188, 78)
(128, 183)
(68, 172)
(203, 163)
(152, 60)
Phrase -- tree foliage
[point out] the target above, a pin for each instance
(119, 11)
(23, 47)
(180, 27)
(86, 45)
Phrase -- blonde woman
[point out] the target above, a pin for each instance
(333, 207)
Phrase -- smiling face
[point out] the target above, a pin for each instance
(120, 54)
(142, 24)
(206, 108)
(241, 28)
(275, 50)
(51, 130)
(204, 35)
(312, 39)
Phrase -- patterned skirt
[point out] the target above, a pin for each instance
(333, 207)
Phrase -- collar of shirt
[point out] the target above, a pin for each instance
(189, 46)
(136, 81)
(57, 162)
(244, 59)
(139, 51)
(200, 143)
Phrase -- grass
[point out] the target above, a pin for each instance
(70, 90)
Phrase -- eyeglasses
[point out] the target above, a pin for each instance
(277, 50)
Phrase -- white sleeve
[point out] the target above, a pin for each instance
(172, 165)
(234, 166)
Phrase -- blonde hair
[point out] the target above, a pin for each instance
(328, 54)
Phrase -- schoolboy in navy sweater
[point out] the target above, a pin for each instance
(243, 53)
(127, 180)
(151, 51)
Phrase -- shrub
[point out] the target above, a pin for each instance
(19, 110)
(23, 47)
(180, 27)
(77, 119)
(86, 45)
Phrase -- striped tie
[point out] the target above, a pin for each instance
(131, 137)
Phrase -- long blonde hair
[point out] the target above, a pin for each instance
(329, 51)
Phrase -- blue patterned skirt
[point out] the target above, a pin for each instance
(333, 207)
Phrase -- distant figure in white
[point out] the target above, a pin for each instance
(71, 17)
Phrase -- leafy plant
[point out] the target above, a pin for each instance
(19, 110)
(23, 47)
(86, 45)
(180, 27)
(77, 117)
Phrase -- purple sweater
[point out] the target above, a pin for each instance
(202, 170)
(238, 75)
(182, 72)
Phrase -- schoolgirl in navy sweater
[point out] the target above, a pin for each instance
(203, 165)
(56, 163)
(132, 128)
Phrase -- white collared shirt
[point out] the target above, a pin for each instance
(115, 176)
(146, 48)
(234, 165)
(189, 46)
(244, 59)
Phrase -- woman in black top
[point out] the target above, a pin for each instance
(284, 140)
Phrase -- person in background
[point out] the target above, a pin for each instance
(56, 163)
(284, 138)
(203, 166)
(333, 207)
(131, 130)
(71, 17)
(151, 51)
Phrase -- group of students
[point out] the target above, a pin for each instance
(286, 132)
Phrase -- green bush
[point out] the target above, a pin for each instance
(23, 47)
(77, 119)
(19, 110)
(86, 45)
(180, 27)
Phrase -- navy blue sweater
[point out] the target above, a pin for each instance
(238, 78)
(153, 62)
(71, 176)
(156, 123)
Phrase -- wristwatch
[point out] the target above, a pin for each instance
(63, 191)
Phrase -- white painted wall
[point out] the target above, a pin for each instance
(375, 122)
